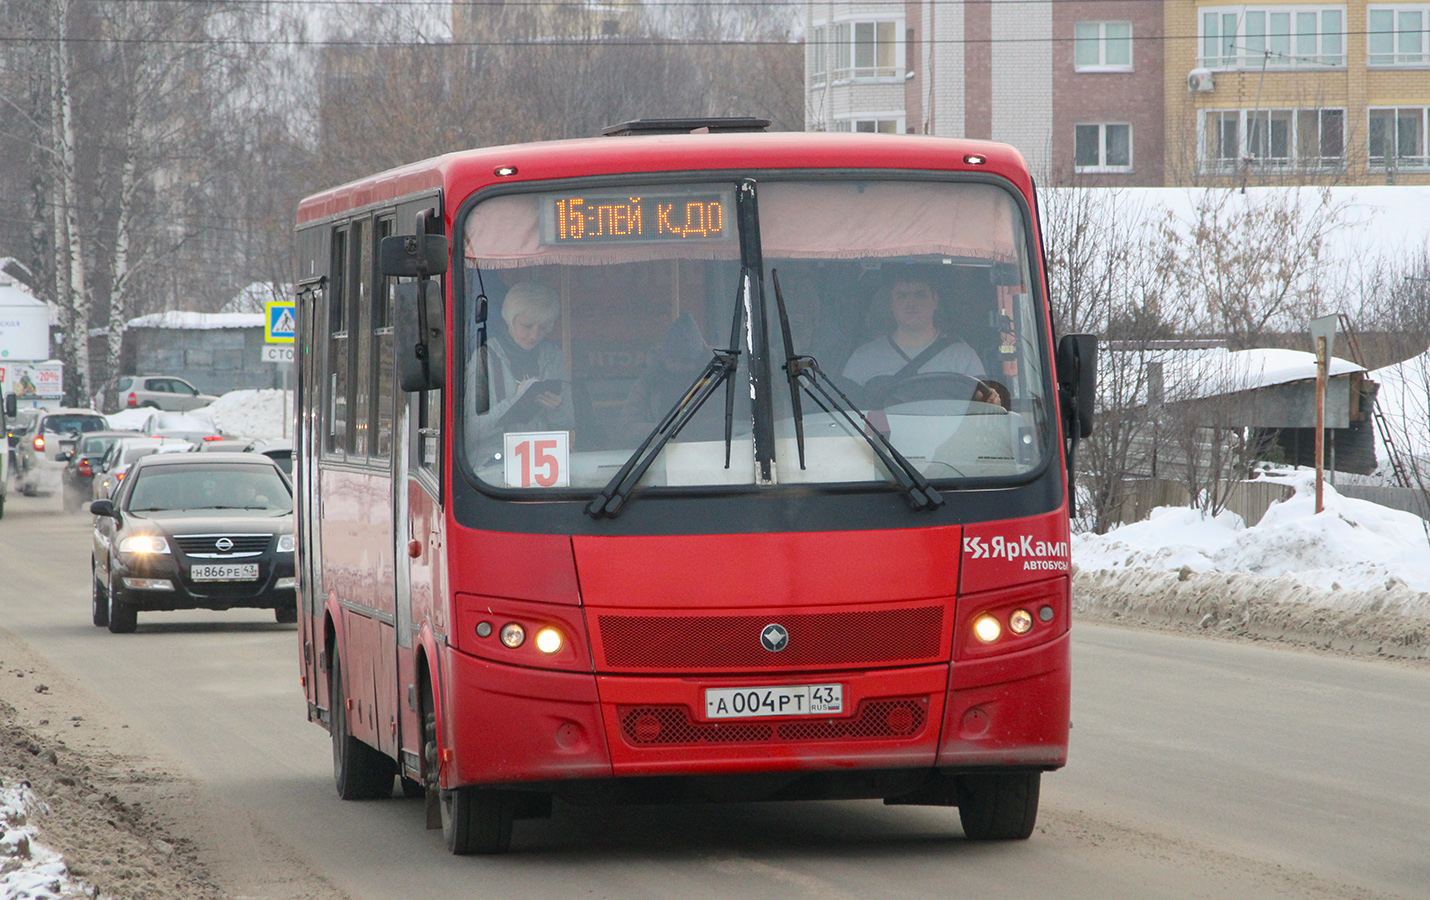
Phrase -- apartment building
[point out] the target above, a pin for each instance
(1120, 92)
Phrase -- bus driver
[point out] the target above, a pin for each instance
(915, 346)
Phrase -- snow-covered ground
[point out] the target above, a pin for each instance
(1346, 553)
(28, 869)
(263, 413)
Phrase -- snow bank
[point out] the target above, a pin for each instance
(28, 869)
(251, 413)
(1339, 558)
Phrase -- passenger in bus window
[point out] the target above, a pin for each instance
(530, 390)
(915, 347)
(668, 374)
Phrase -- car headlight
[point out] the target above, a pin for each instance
(285, 543)
(144, 543)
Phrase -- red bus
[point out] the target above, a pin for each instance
(705, 465)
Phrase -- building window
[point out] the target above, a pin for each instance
(891, 124)
(818, 66)
(1397, 138)
(1273, 138)
(1274, 37)
(1102, 47)
(1398, 35)
(866, 50)
(1103, 148)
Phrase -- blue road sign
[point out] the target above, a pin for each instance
(281, 323)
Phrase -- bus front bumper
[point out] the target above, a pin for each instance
(511, 724)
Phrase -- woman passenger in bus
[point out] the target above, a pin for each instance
(530, 390)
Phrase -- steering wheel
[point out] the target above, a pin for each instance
(932, 386)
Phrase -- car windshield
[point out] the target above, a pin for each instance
(915, 299)
(74, 423)
(96, 446)
(209, 487)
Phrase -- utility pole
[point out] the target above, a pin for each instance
(1323, 336)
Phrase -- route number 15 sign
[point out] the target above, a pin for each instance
(538, 459)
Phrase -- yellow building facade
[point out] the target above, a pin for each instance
(1282, 92)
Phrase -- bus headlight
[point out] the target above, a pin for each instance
(548, 640)
(512, 635)
(986, 628)
(1021, 621)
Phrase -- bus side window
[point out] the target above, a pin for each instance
(335, 384)
(380, 433)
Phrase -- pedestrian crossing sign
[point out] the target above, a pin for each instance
(280, 323)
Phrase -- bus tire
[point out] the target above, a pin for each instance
(477, 820)
(123, 616)
(359, 771)
(998, 806)
(99, 599)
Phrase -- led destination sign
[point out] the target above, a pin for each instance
(634, 218)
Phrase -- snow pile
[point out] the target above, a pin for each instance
(28, 869)
(1339, 559)
(252, 413)
(130, 419)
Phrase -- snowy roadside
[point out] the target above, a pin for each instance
(1356, 577)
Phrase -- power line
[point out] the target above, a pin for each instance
(569, 42)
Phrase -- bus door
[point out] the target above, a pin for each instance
(416, 528)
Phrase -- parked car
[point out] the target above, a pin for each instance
(125, 452)
(157, 391)
(81, 463)
(194, 531)
(40, 452)
(178, 425)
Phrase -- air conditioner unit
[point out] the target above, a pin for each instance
(1200, 81)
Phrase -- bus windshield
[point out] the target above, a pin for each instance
(913, 298)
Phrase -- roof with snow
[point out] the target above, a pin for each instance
(197, 321)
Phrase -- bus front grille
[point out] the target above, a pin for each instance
(902, 717)
(908, 635)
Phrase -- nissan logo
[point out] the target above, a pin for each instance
(224, 544)
(774, 638)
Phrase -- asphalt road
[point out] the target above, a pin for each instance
(1198, 768)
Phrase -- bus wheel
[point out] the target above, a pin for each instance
(998, 806)
(359, 771)
(477, 820)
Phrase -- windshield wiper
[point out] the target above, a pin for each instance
(720, 368)
(804, 372)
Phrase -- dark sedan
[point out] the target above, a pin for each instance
(194, 531)
(81, 462)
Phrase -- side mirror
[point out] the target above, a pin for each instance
(12, 405)
(66, 456)
(414, 255)
(420, 336)
(1077, 381)
(104, 508)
